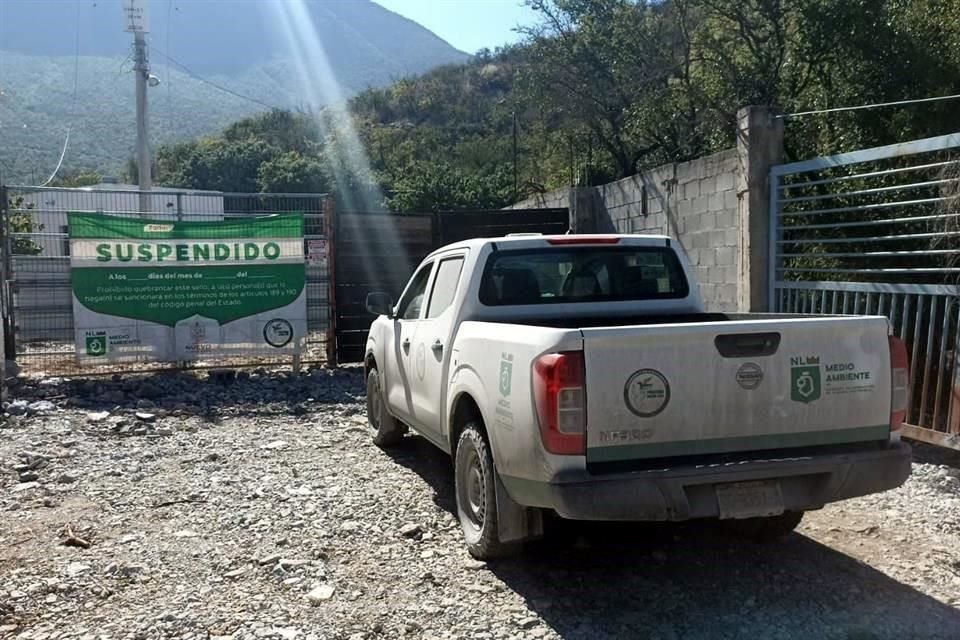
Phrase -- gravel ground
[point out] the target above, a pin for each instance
(255, 506)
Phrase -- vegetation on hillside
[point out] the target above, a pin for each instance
(599, 90)
(37, 108)
(46, 90)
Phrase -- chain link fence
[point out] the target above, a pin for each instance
(36, 264)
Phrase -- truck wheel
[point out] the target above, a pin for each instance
(387, 431)
(476, 495)
(770, 529)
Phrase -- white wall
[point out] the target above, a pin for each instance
(49, 208)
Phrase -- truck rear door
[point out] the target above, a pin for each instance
(676, 390)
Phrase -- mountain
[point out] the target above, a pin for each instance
(282, 53)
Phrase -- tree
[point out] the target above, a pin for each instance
(274, 151)
(437, 186)
(74, 178)
(278, 128)
(290, 172)
(22, 221)
(214, 163)
(597, 64)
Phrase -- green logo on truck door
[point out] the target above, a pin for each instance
(506, 374)
(805, 384)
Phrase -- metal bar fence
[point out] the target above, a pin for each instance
(38, 252)
(877, 231)
(926, 320)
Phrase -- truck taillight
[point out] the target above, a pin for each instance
(560, 396)
(900, 382)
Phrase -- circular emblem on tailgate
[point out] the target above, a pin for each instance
(647, 393)
(749, 375)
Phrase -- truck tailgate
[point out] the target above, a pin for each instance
(750, 385)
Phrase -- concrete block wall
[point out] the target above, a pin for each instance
(717, 207)
(694, 203)
(557, 199)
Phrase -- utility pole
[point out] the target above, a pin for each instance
(142, 70)
(589, 170)
(516, 189)
(135, 20)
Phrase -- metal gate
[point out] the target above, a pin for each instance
(379, 252)
(454, 226)
(372, 252)
(877, 231)
(37, 261)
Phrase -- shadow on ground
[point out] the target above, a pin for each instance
(612, 580)
(240, 392)
(929, 454)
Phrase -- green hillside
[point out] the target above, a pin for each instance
(37, 108)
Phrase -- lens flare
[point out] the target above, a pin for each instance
(348, 160)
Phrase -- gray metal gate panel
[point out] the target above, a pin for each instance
(875, 232)
(379, 251)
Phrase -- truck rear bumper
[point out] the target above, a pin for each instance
(690, 492)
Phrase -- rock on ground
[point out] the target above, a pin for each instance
(255, 506)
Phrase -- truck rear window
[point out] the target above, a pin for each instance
(582, 274)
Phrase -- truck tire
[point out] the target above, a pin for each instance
(769, 529)
(475, 489)
(386, 430)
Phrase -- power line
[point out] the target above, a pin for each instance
(170, 118)
(214, 84)
(76, 86)
(870, 106)
(63, 154)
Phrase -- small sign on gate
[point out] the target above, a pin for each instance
(317, 252)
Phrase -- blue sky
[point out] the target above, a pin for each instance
(468, 25)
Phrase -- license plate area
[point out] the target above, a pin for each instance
(755, 499)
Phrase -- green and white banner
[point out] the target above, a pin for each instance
(167, 291)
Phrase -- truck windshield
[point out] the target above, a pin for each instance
(582, 274)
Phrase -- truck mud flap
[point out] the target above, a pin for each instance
(516, 523)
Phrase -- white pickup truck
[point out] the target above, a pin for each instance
(581, 375)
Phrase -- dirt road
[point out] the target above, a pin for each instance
(258, 508)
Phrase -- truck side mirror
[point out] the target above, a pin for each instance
(380, 304)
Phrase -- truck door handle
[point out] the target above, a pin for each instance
(406, 344)
(437, 347)
(747, 345)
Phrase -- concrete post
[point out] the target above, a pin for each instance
(588, 214)
(3, 372)
(5, 247)
(759, 147)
